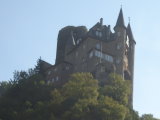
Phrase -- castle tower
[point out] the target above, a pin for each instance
(132, 44)
(120, 37)
(131, 50)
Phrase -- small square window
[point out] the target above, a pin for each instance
(57, 78)
(49, 72)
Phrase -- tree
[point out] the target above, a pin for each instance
(117, 88)
(147, 117)
(80, 99)
(76, 97)
(109, 109)
(132, 114)
(27, 98)
(4, 86)
(81, 85)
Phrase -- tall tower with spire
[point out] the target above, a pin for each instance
(97, 50)
(126, 40)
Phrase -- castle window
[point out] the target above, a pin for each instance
(118, 60)
(98, 34)
(98, 46)
(49, 72)
(108, 58)
(97, 53)
(104, 56)
(119, 46)
(91, 54)
(57, 78)
(52, 80)
(101, 55)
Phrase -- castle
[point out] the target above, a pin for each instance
(97, 50)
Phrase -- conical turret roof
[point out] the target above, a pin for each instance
(129, 32)
(120, 20)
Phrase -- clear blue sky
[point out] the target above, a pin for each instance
(29, 28)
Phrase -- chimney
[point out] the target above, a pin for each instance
(101, 21)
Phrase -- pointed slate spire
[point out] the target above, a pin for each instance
(120, 20)
(129, 32)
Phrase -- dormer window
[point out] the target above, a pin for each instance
(99, 34)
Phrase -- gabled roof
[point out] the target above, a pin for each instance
(45, 65)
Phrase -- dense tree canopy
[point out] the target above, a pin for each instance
(29, 97)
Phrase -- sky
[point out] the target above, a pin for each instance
(29, 29)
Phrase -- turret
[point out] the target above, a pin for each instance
(132, 43)
(120, 28)
(120, 37)
(131, 50)
(120, 21)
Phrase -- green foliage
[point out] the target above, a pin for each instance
(73, 100)
(132, 115)
(81, 85)
(109, 109)
(28, 97)
(39, 68)
(4, 86)
(117, 88)
(147, 117)
(25, 97)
